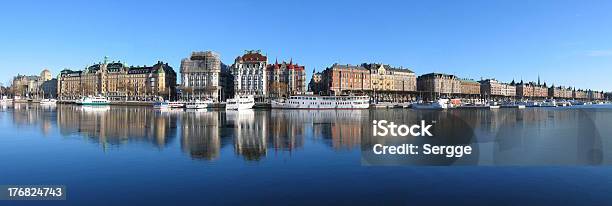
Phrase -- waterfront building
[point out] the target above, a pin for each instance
(434, 84)
(250, 76)
(34, 86)
(531, 90)
(346, 79)
(391, 83)
(316, 83)
(494, 88)
(119, 82)
(579, 94)
(286, 79)
(385, 78)
(595, 95)
(560, 92)
(200, 76)
(469, 87)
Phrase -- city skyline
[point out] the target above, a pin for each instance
(564, 43)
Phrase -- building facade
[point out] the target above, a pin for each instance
(470, 87)
(531, 90)
(316, 83)
(285, 79)
(560, 92)
(434, 84)
(200, 76)
(118, 82)
(579, 94)
(346, 79)
(494, 88)
(250, 76)
(33, 86)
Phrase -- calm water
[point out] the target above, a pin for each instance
(136, 155)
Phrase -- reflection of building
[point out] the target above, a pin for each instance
(286, 79)
(250, 134)
(34, 86)
(117, 125)
(249, 72)
(118, 81)
(200, 75)
(201, 134)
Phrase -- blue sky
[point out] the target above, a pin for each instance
(565, 42)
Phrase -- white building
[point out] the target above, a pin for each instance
(200, 75)
(249, 72)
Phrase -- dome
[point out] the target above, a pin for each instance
(45, 75)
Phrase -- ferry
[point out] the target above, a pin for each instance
(199, 104)
(323, 102)
(48, 102)
(161, 105)
(98, 100)
(437, 105)
(240, 103)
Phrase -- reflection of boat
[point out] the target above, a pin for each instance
(440, 104)
(48, 102)
(161, 105)
(240, 103)
(198, 104)
(97, 100)
(323, 102)
(95, 108)
(513, 105)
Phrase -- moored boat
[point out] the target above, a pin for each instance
(48, 102)
(176, 104)
(323, 102)
(97, 100)
(161, 105)
(240, 103)
(199, 104)
(437, 105)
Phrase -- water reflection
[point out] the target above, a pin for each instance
(505, 136)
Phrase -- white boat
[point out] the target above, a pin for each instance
(323, 102)
(440, 104)
(533, 104)
(493, 105)
(161, 105)
(240, 103)
(48, 101)
(199, 104)
(176, 104)
(549, 103)
(97, 100)
(6, 100)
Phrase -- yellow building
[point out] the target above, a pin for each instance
(118, 82)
